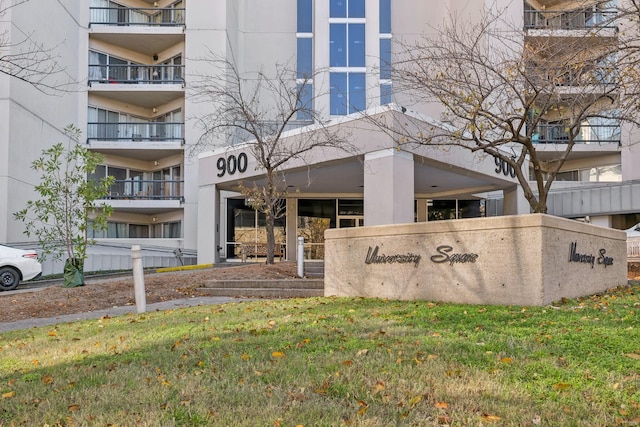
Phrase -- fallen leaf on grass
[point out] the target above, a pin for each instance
(561, 386)
(46, 379)
(634, 356)
(74, 408)
(8, 395)
(442, 405)
(491, 418)
(277, 354)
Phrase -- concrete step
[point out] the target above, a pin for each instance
(314, 268)
(288, 288)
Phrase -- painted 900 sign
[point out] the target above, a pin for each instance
(504, 168)
(232, 164)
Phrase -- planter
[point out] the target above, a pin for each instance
(511, 260)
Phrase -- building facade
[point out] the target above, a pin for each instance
(131, 63)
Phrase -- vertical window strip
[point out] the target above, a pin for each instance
(305, 16)
(385, 16)
(386, 87)
(304, 71)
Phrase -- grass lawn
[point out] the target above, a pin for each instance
(332, 362)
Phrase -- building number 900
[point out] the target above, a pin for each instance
(232, 164)
(505, 168)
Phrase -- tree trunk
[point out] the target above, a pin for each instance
(271, 238)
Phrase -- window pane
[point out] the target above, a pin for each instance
(338, 9)
(305, 16)
(385, 94)
(305, 57)
(385, 59)
(385, 16)
(117, 173)
(356, 45)
(356, 8)
(305, 102)
(338, 45)
(138, 231)
(357, 92)
(338, 88)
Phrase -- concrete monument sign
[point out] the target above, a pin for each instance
(517, 260)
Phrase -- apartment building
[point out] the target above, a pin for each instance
(132, 60)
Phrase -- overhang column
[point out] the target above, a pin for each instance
(208, 224)
(388, 187)
(514, 201)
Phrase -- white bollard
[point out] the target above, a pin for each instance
(300, 257)
(138, 279)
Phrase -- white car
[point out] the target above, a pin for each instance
(17, 265)
(633, 233)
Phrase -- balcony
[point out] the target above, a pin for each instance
(136, 132)
(570, 20)
(146, 141)
(580, 76)
(142, 85)
(136, 74)
(133, 189)
(588, 134)
(129, 16)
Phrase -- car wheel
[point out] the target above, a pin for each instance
(9, 279)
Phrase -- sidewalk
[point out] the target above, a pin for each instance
(116, 311)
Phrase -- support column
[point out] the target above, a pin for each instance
(514, 201)
(208, 224)
(388, 187)
(291, 228)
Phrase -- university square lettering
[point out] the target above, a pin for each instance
(589, 259)
(445, 255)
(374, 257)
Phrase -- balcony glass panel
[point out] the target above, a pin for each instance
(130, 16)
(153, 189)
(118, 71)
(570, 20)
(593, 132)
(135, 131)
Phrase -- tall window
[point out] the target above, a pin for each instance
(385, 52)
(305, 58)
(347, 56)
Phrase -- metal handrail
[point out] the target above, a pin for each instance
(570, 20)
(633, 250)
(588, 134)
(153, 189)
(575, 77)
(137, 16)
(136, 74)
(135, 131)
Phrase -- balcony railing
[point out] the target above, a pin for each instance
(136, 74)
(573, 20)
(133, 189)
(576, 77)
(588, 134)
(135, 131)
(129, 16)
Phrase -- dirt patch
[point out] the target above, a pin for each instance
(100, 294)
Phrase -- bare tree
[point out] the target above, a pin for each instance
(259, 110)
(504, 92)
(24, 58)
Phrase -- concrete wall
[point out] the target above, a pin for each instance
(516, 260)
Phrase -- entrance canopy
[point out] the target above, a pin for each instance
(437, 172)
(393, 181)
